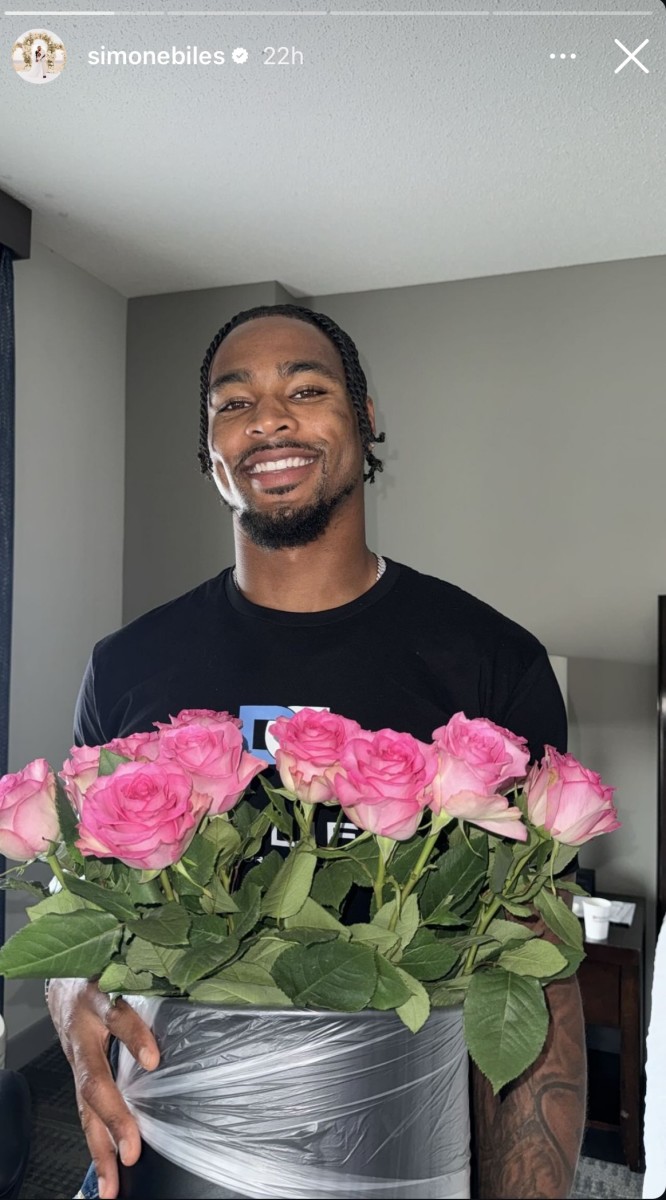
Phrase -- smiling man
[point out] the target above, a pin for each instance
(311, 616)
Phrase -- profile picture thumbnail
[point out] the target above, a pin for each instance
(38, 56)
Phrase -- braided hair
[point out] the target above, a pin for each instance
(357, 385)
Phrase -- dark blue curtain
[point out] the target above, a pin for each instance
(6, 517)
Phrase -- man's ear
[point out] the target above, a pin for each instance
(369, 404)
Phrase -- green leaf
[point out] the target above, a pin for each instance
(536, 957)
(218, 900)
(264, 873)
(331, 884)
(428, 957)
(248, 900)
(265, 951)
(313, 916)
(144, 892)
(509, 931)
(407, 923)
(502, 859)
(165, 926)
(199, 859)
(145, 956)
(506, 1022)
(560, 919)
(517, 910)
(362, 854)
(77, 944)
(67, 819)
(224, 837)
(405, 858)
(457, 877)
(447, 995)
(307, 937)
(372, 935)
(391, 990)
(242, 983)
(108, 761)
(60, 902)
(415, 1011)
(291, 886)
(118, 977)
(330, 975)
(207, 929)
(201, 960)
(573, 960)
(567, 885)
(14, 883)
(564, 855)
(113, 902)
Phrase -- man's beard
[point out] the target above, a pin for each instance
(292, 527)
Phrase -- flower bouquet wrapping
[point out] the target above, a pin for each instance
(423, 921)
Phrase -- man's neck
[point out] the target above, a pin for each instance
(309, 578)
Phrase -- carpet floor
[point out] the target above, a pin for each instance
(59, 1156)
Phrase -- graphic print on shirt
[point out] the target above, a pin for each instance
(255, 719)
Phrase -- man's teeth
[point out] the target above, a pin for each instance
(279, 464)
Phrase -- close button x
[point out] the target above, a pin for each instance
(631, 56)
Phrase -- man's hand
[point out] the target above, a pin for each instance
(85, 1020)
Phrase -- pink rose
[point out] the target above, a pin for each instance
(28, 818)
(310, 745)
(136, 746)
(492, 812)
(569, 801)
(483, 753)
(382, 781)
(79, 771)
(199, 716)
(144, 814)
(214, 757)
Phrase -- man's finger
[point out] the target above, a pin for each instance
(125, 1024)
(98, 1094)
(102, 1150)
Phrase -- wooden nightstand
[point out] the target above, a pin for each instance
(612, 987)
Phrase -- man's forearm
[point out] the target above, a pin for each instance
(528, 1138)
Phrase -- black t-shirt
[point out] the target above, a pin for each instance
(405, 655)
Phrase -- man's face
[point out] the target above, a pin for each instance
(283, 436)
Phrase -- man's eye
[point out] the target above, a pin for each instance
(309, 391)
(230, 405)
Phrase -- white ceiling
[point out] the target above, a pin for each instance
(406, 150)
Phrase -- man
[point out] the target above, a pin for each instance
(311, 617)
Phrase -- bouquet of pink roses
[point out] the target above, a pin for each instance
(162, 891)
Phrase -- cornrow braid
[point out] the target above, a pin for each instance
(357, 385)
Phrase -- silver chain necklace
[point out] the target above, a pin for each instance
(381, 567)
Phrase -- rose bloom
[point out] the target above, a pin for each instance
(214, 757)
(79, 771)
(199, 716)
(382, 780)
(144, 814)
(310, 744)
(28, 818)
(569, 801)
(136, 746)
(484, 752)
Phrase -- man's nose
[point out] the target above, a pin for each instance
(270, 416)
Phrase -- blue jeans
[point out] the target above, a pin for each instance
(89, 1187)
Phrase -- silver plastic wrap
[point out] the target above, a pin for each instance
(291, 1103)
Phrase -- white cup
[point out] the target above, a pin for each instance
(596, 913)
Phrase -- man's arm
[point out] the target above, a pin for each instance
(527, 1139)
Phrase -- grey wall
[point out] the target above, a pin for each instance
(177, 533)
(70, 467)
(525, 432)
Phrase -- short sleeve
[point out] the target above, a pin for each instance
(87, 728)
(536, 709)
